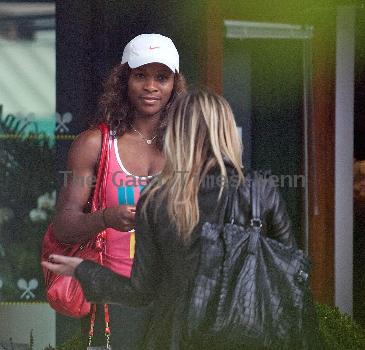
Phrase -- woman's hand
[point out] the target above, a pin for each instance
(62, 265)
(120, 218)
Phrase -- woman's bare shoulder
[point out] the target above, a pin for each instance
(85, 148)
(89, 138)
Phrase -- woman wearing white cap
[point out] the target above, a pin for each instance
(137, 97)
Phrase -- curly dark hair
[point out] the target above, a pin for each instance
(116, 110)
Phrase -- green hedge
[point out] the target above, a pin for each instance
(338, 330)
(75, 343)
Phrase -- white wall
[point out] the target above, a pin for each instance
(345, 59)
(18, 319)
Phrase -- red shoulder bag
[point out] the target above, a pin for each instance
(64, 293)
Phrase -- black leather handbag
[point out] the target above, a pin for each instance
(250, 292)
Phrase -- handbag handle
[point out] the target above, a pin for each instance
(99, 202)
(232, 204)
(232, 208)
(255, 221)
(255, 202)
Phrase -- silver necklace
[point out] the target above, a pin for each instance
(148, 141)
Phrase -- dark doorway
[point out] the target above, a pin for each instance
(264, 82)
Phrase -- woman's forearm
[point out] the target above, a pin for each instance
(101, 285)
(73, 227)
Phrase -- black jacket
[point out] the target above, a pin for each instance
(164, 267)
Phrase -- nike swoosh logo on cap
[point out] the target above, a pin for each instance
(155, 47)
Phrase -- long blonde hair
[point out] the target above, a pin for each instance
(201, 133)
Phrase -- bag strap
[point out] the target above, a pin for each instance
(231, 209)
(92, 325)
(99, 202)
(255, 202)
(231, 204)
(255, 221)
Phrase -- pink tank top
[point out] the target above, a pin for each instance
(121, 188)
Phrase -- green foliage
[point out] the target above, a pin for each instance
(75, 343)
(338, 330)
(26, 173)
(26, 167)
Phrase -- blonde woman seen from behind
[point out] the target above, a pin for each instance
(202, 135)
(203, 164)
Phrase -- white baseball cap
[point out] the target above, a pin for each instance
(151, 48)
